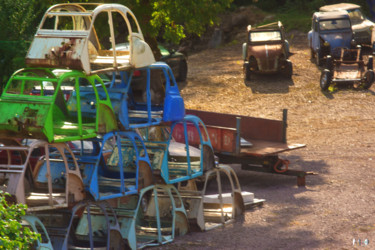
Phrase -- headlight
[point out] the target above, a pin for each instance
(326, 44)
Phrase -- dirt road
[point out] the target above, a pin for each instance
(338, 204)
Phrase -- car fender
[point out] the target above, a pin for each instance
(244, 51)
(309, 38)
(287, 52)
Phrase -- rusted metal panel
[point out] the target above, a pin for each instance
(222, 139)
(58, 52)
(251, 127)
(263, 148)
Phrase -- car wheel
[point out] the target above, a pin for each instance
(329, 63)
(325, 79)
(312, 54)
(318, 58)
(247, 71)
(182, 74)
(368, 80)
(288, 70)
(370, 63)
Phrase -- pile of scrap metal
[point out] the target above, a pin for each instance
(96, 165)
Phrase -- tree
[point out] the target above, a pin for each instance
(18, 20)
(172, 20)
(12, 234)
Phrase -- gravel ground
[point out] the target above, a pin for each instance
(337, 205)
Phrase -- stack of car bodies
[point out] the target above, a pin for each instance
(92, 160)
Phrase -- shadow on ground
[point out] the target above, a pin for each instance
(269, 84)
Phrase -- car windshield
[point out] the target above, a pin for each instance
(28, 87)
(334, 24)
(356, 16)
(65, 22)
(263, 36)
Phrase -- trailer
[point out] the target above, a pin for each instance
(255, 143)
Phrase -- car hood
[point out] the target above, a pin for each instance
(337, 40)
(364, 26)
(267, 50)
(24, 119)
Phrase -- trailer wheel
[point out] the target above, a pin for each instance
(288, 70)
(281, 166)
(368, 80)
(325, 79)
(370, 63)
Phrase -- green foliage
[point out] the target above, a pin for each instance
(173, 20)
(19, 20)
(296, 14)
(12, 234)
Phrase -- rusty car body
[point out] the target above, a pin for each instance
(329, 30)
(139, 106)
(348, 68)
(45, 187)
(35, 225)
(88, 225)
(173, 158)
(266, 50)
(362, 27)
(38, 103)
(117, 166)
(75, 36)
(208, 211)
(153, 217)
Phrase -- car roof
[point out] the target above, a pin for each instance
(339, 6)
(271, 26)
(340, 14)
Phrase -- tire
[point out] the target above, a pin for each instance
(288, 70)
(325, 79)
(247, 71)
(312, 54)
(360, 52)
(318, 58)
(370, 64)
(329, 63)
(368, 79)
(182, 72)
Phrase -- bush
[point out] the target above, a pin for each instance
(12, 234)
